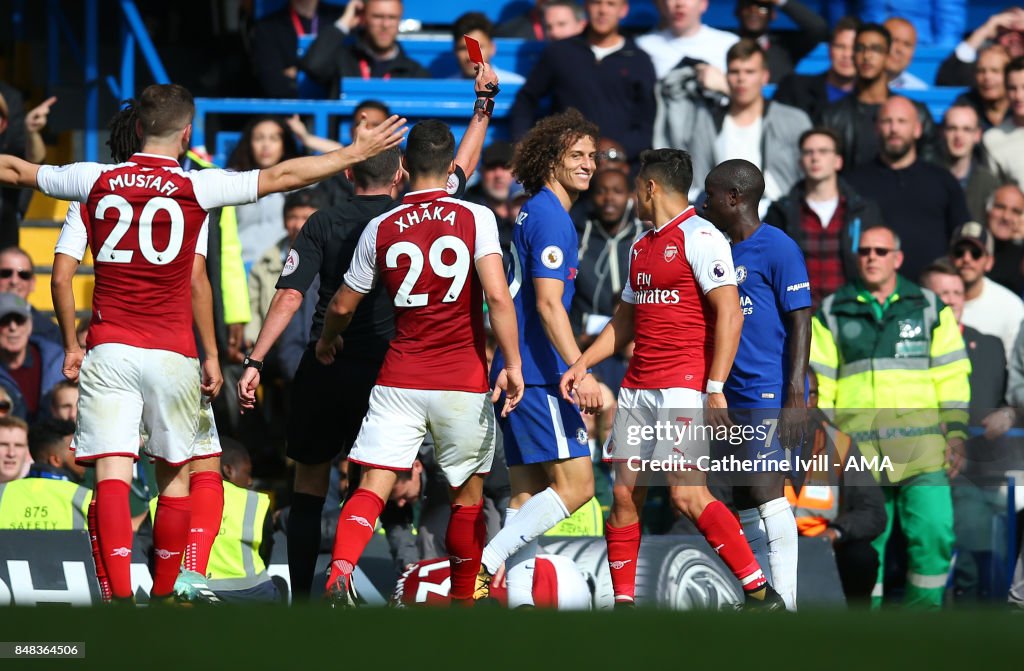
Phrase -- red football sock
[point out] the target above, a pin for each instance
(207, 492)
(170, 531)
(724, 534)
(623, 550)
(467, 533)
(115, 538)
(355, 529)
(97, 556)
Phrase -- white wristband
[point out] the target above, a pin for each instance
(715, 387)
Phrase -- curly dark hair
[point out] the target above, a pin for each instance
(124, 135)
(544, 145)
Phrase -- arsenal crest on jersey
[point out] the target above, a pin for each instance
(671, 252)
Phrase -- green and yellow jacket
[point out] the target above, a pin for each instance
(896, 374)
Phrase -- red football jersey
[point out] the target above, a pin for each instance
(144, 220)
(424, 251)
(670, 271)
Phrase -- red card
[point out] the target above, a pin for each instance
(475, 54)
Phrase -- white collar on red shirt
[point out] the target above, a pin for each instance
(150, 158)
(678, 219)
(424, 195)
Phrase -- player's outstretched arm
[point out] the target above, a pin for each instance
(17, 172)
(283, 306)
(299, 172)
(202, 317)
(339, 315)
(506, 329)
(616, 334)
(725, 305)
(64, 269)
(472, 142)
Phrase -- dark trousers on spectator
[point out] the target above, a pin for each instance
(857, 562)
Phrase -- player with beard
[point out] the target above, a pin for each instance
(681, 306)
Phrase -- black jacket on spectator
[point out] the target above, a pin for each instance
(922, 203)
(785, 214)
(329, 59)
(1008, 265)
(784, 49)
(275, 48)
(954, 72)
(524, 26)
(616, 93)
(807, 92)
(862, 513)
(12, 141)
(855, 123)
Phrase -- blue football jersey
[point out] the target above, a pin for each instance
(772, 280)
(544, 245)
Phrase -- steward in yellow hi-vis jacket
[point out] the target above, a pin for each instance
(890, 360)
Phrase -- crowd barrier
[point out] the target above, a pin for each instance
(673, 572)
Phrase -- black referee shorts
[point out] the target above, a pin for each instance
(327, 406)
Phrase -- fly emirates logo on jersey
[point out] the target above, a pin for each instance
(643, 294)
(427, 212)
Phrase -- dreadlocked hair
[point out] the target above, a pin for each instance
(124, 132)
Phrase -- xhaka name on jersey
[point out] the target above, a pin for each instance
(648, 296)
(125, 180)
(427, 212)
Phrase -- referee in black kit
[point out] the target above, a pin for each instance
(328, 402)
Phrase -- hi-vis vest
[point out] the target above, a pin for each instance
(587, 521)
(234, 289)
(817, 504)
(235, 561)
(42, 504)
(898, 382)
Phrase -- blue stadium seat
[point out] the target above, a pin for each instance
(436, 55)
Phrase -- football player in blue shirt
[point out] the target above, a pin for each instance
(545, 442)
(771, 364)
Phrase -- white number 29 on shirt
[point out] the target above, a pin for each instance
(457, 272)
(109, 253)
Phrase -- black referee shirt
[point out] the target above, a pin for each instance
(325, 246)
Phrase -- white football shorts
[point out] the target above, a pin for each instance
(123, 388)
(461, 423)
(659, 424)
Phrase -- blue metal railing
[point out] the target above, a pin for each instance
(133, 35)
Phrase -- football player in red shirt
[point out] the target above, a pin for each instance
(145, 221)
(436, 256)
(681, 306)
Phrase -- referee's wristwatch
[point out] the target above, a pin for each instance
(252, 363)
(485, 105)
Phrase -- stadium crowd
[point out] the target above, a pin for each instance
(890, 207)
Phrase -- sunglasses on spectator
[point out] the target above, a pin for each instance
(975, 252)
(6, 273)
(879, 251)
(5, 406)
